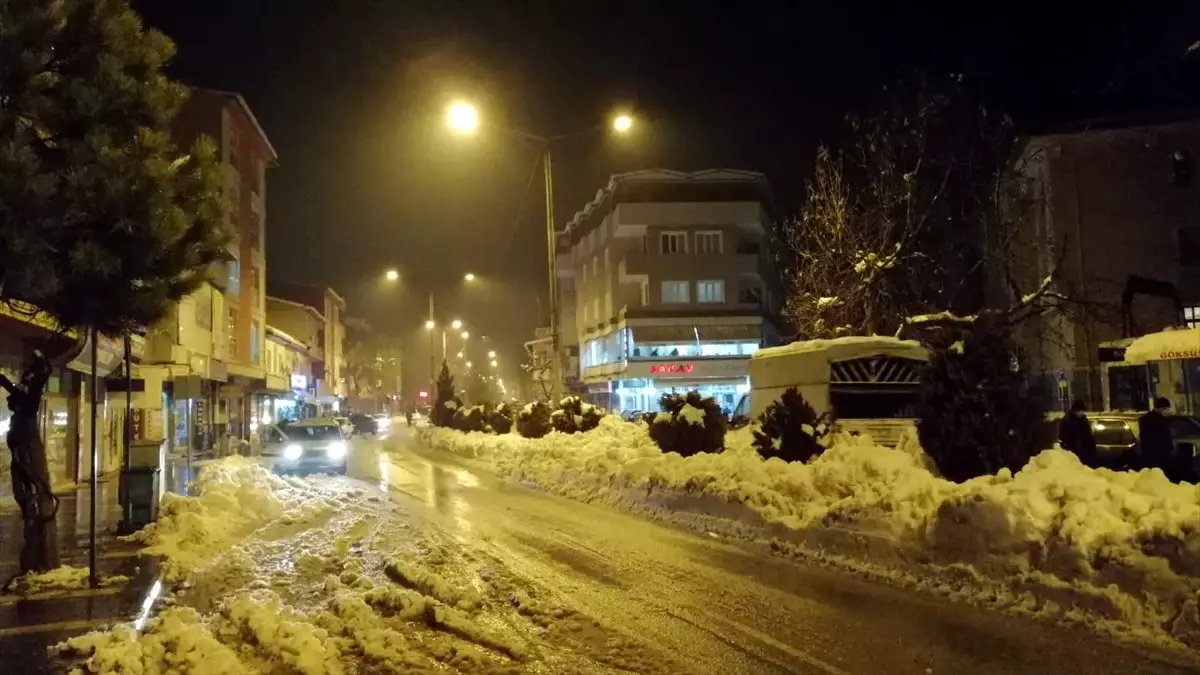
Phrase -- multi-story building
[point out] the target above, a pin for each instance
(1118, 218)
(668, 286)
(315, 316)
(289, 363)
(207, 355)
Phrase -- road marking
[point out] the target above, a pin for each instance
(83, 624)
(6, 600)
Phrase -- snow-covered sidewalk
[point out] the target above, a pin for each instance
(1119, 550)
(323, 576)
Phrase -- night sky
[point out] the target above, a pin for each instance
(352, 92)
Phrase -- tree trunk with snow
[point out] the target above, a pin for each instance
(30, 470)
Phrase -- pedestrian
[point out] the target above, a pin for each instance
(1075, 434)
(1155, 437)
(408, 415)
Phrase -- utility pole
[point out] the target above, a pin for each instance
(556, 371)
(94, 382)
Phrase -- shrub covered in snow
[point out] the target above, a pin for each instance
(688, 424)
(499, 418)
(446, 404)
(792, 430)
(534, 420)
(575, 416)
(974, 415)
(469, 418)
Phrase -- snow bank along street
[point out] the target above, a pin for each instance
(326, 575)
(1119, 551)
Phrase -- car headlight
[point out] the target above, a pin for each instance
(336, 450)
(292, 452)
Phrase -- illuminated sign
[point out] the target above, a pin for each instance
(424, 394)
(299, 381)
(672, 368)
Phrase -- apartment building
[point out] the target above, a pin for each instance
(315, 316)
(669, 286)
(206, 356)
(1119, 217)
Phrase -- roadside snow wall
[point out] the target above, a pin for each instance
(1118, 550)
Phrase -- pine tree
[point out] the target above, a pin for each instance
(974, 415)
(446, 403)
(792, 430)
(105, 223)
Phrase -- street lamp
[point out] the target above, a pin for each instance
(391, 275)
(468, 365)
(429, 324)
(459, 355)
(456, 324)
(465, 335)
(468, 277)
(464, 118)
(493, 363)
(491, 354)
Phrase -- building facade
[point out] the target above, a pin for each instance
(667, 285)
(315, 316)
(1118, 216)
(206, 356)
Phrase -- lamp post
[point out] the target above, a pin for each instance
(463, 118)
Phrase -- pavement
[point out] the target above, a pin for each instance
(682, 602)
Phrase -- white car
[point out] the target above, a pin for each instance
(383, 422)
(314, 445)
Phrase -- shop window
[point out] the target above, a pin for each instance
(673, 242)
(709, 242)
(710, 291)
(675, 292)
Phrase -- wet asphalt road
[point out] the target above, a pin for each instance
(704, 605)
(729, 607)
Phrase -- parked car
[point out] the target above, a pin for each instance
(308, 445)
(363, 425)
(1117, 435)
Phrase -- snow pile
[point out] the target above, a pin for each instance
(235, 497)
(177, 641)
(1121, 546)
(65, 578)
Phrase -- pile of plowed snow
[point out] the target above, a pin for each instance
(1121, 549)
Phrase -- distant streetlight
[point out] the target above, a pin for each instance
(493, 363)
(391, 275)
(468, 364)
(456, 324)
(466, 334)
(460, 355)
(429, 325)
(462, 117)
(469, 277)
(491, 354)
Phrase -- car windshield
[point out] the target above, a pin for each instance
(314, 433)
(1112, 432)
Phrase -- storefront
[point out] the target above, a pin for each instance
(642, 383)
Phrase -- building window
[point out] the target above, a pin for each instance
(710, 291)
(204, 307)
(674, 242)
(750, 295)
(1189, 246)
(255, 349)
(1192, 316)
(1183, 168)
(233, 341)
(675, 291)
(235, 277)
(709, 242)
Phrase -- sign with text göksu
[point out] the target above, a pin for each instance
(1169, 354)
(727, 367)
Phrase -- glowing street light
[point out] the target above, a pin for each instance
(493, 363)
(466, 334)
(468, 364)
(622, 123)
(391, 275)
(456, 324)
(463, 118)
(469, 277)
(491, 354)
(460, 355)
(429, 325)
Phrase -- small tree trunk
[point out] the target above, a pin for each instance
(30, 472)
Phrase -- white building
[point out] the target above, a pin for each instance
(667, 284)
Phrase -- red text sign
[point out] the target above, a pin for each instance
(672, 368)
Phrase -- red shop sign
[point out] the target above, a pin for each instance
(672, 368)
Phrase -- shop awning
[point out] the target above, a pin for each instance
(688, 333)
(1182, 343)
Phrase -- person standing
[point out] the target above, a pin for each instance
(1075, 434)
(1156, 440)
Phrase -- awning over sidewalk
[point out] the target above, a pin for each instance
(1182, 343)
